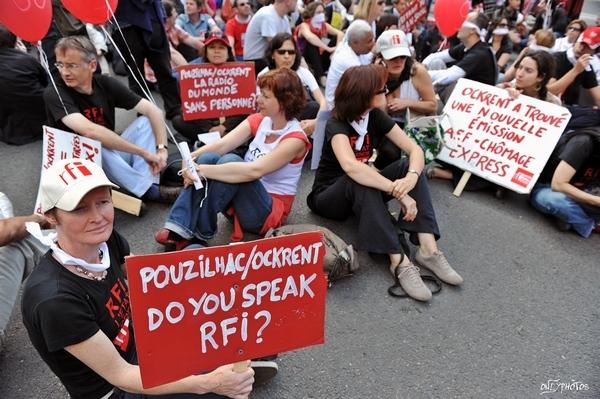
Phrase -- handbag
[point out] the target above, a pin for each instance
(427, 131)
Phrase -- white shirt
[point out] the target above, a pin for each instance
(266, 23)
(343, 58)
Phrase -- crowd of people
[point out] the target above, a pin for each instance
(360, 62)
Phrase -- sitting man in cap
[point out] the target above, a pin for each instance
(76, 304)
(574, 69)
(85, 104)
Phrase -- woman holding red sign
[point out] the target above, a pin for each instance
(259, 189)
(347, 183)
(76, 301)
(217, 52)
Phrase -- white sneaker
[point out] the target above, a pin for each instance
(6, 208)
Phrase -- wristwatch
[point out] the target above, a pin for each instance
(414, 171)
(162, 146)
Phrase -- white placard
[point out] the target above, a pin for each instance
(506, 141)
(209, 137)
(58, 144)
(184, 150)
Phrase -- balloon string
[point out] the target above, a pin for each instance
(145, 90)
(44, 62)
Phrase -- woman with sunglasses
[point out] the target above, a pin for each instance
(313, 36)
(76, 301)
(217, 52)
(500, 44)
(370, 11)
(282, 52)
(574, 29)
(409, 86)
(345, 182)
(258, 189)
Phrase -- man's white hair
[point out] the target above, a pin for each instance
(357, 30)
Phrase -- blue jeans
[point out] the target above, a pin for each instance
(193, 215)
(127, 170)
(558, 204)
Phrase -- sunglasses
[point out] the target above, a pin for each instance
(285, 51)
(243, 4)
(383, 91)
(574, 28)
(380, 2)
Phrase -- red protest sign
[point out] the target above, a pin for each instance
(211, 91)
(413, 12)
(199, 309)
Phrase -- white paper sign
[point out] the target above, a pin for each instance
(58, 144)
(184, 150)
(209, 137)
(506, 141)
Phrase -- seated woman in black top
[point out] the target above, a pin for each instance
(346, 184)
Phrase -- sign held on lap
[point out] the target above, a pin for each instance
(198, 309)
(212, 91)
(506, 141)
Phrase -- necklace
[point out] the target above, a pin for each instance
(89, 274)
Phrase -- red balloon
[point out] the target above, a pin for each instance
(91, 11)
(450, 15)
(28, 19)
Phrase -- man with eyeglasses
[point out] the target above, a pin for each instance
(473, 59)
(574, 69)
(235, 28)
(264, 25)
(85, 104)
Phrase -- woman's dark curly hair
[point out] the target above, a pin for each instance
(357, 87)
(287, 89)
(545, 65)
(276, 44)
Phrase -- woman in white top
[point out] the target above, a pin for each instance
(283, 53)
(573, 31)
(409, 86)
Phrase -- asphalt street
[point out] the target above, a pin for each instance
(528, 312)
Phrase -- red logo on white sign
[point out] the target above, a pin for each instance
(522, 177)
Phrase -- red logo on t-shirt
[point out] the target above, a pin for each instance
(364, 153)
(95, 114)
(522, 177)
(118, 309)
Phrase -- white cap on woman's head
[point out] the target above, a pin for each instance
(67, 181)
(393, 43)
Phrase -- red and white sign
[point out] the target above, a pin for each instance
(413, 12)
(196, 310)
(504, 140)
(58, 144)
(212, 91)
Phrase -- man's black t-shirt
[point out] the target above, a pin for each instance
(586, 79)
(582, 153)
(99, 107)
(478, 62)
(62, 309)
(329, 167)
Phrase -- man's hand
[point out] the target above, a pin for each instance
(582, 63)
(401, 187)
(156, 162)
(220, 129)
(232, 384)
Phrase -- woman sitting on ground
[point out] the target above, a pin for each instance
(409, 86)
(500, 44)
(283, 53)
(218, 52)
(260, 188)
(370, 11)
(76, 301)
(346, 184)
(532, 75)
(314, 39)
